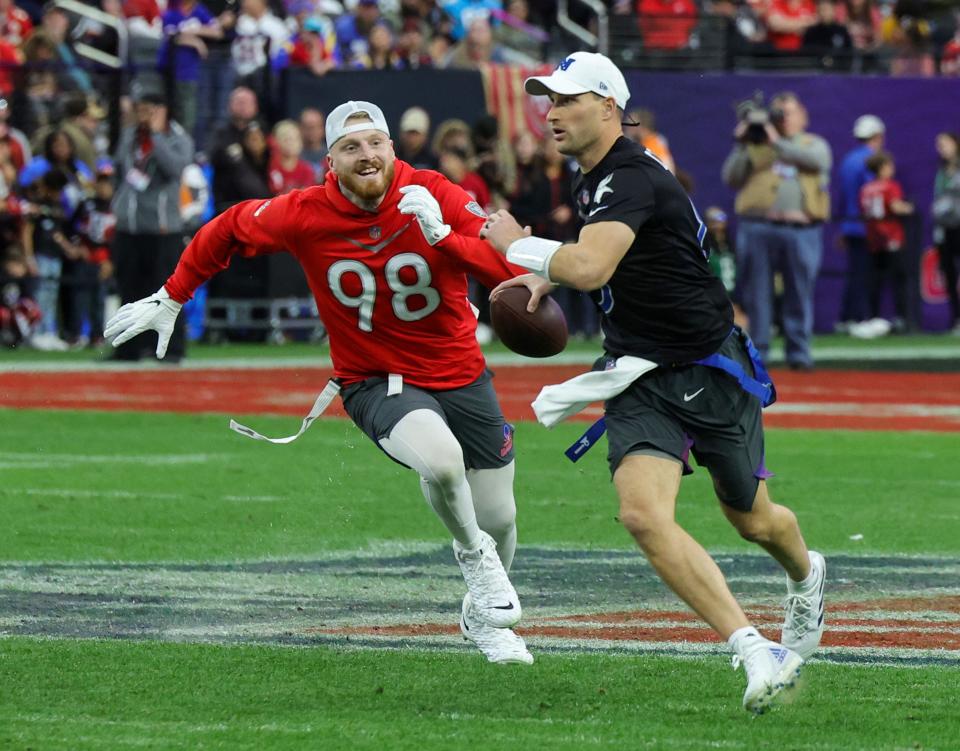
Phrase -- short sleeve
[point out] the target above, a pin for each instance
(625, 195)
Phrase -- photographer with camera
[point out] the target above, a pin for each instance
(781, 174)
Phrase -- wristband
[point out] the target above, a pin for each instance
(534, 254)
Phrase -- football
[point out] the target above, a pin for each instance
(539, 334)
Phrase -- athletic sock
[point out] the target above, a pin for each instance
(744, 638)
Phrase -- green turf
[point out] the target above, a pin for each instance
(117, 695)
(333, 489)
(87, 486)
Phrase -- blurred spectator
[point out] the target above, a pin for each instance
(248, 174)
(15, 23)
(477, 47)
(261, 44)
(517, 33)
(45, 246)
(870, 131)
(864, 21)
(440, 47)
(455, 166)
(380, 54)
(314, 134)
(465, 12)
(950, 59)
(782, 202)
(946, 218)
(59, 154)
(353, 30)
(16, 148)
(666, 24)
(143, 18)
(227, 148)
(413, 142)
(411, 51)
(493, 160)
(187, 26)
(827, 39)
(315, 47)
(642, 129)
(787, 20)
(150, 159)
(37, 87)
(287, 170)
(530, 200)
(94, 226)
(908, 34)
(56, 24)
(82, 117)
(723, 259)
(19, 313)
(452, 133)
(882, 204)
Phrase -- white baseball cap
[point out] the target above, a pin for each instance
(579, 73)
(337, 126)
(868, 126)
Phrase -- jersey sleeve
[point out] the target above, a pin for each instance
(626, 196)
(251, 228)
(466, 218)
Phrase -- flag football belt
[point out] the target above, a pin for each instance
(759, 385)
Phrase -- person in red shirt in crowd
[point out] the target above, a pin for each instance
(391, 289)
(950, 59)
(666, 24)
(287, 171)
(15, 23)
(455, 167)
(787, 20)
(882, 203)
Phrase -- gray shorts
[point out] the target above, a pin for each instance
(471, 412)
(696, 408)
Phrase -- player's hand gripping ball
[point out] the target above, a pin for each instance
(542, 333)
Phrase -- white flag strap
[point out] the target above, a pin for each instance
(323, 401)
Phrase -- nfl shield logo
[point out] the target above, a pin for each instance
(375, 233)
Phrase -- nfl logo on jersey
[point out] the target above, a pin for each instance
(375, 233)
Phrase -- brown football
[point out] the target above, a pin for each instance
(539, 334)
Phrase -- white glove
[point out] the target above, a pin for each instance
(418, 201)
(157, 312)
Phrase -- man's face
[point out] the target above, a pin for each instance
(143, 112)
(311, 127)
(794, 117)
(413, 140)
(363, 162)
(575, 122)
(243, 105)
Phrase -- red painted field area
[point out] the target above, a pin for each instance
(826, 399)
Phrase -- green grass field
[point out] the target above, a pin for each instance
(162, 580)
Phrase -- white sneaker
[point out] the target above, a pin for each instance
(771, 670)
(500, 645)
(803, 627)
(495, 601)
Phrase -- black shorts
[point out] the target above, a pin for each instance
(471, 412)
(700, 409)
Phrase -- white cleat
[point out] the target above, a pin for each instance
(803, 627)
(499, 645)
(771, 670)
(495, 601)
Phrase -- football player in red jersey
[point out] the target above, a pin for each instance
(386, 249)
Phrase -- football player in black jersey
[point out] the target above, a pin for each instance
(641, 255)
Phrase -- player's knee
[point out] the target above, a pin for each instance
(755, 527)
(446, 471)
(497, 519)
(640, 523)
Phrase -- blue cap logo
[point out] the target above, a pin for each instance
(564, 64)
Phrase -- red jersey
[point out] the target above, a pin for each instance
(283, 180)
(666, 24)
(15, 25)
(799, 11)
(884, 229)
(391, 303)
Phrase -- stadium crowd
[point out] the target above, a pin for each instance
(64, 171)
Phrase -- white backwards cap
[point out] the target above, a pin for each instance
(337, 126)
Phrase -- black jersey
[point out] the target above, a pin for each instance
(662, 302)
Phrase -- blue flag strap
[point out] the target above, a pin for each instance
(759, 385)
(585, 442)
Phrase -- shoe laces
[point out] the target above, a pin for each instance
(800, 611)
